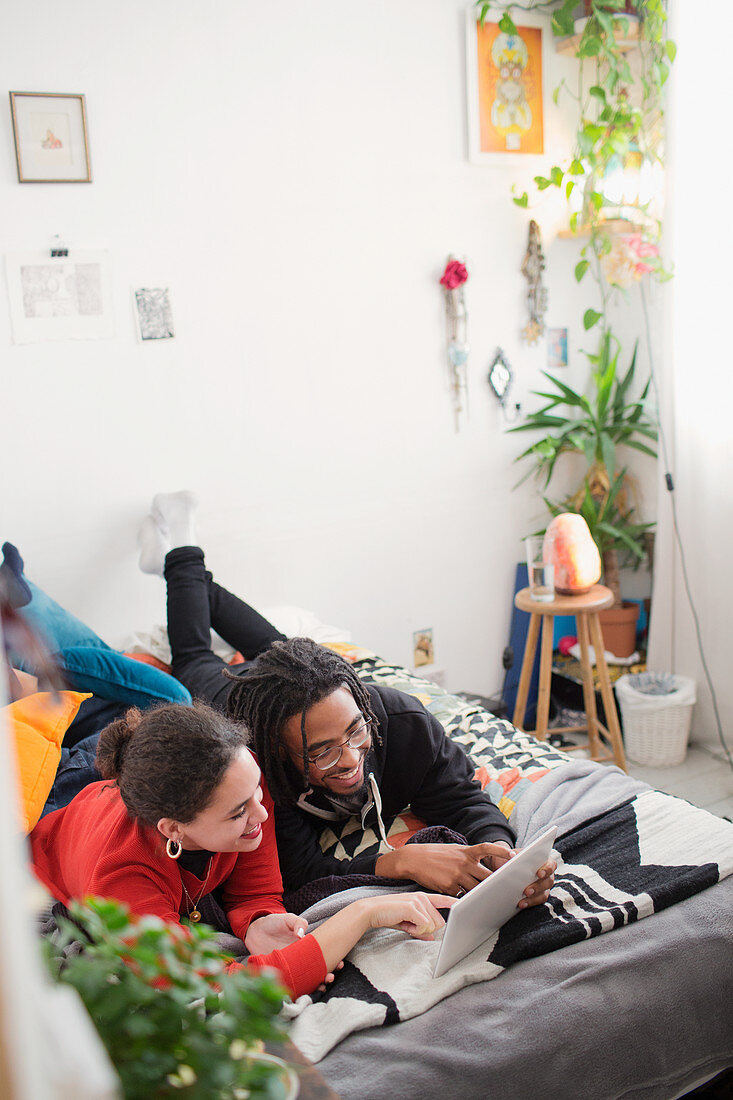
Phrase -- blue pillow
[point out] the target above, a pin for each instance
(111, 675)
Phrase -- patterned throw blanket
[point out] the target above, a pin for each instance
(635, 860)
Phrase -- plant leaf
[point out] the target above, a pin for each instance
(580, 269)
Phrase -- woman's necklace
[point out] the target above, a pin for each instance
(193, 913)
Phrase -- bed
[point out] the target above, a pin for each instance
(622, 987)
(642, 1007)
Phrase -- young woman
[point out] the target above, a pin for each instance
(182, 813)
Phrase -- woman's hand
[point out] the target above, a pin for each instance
(273, 932)
(414, 913)
(417, 914)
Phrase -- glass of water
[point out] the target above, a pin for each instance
(541, 573)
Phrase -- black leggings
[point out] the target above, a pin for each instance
(196, 604)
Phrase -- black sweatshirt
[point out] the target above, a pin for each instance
(415, 765)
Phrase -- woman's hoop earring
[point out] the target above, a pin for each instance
(169, 848)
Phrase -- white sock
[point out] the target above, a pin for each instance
(154, 546)
(174, 515)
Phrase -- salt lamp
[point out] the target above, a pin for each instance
(569, 546)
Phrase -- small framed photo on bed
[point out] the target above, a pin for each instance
(50, 131)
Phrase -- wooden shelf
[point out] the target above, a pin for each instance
(569, 46)
(614, 226)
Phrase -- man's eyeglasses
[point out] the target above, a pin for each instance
(330, 757)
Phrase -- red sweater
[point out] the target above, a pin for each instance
(92, 847)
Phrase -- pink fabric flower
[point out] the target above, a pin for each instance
(455, 275)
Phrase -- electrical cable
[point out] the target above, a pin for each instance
(678, 538)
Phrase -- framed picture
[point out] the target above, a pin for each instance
(422, 647)
(505, 102)
(50, 131)
(557, 348)
(153, 313)
(59, 298)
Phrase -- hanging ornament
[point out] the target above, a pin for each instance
(532, 267)
(453, 279)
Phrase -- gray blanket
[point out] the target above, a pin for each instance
(623, 864)
(642, 1012)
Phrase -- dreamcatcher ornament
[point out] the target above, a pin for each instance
(453, 280)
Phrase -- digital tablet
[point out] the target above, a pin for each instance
(483, 910)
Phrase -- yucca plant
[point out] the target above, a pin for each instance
(595, 427)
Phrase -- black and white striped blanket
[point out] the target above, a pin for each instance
(649, 852)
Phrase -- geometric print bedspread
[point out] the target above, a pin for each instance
(507, 760)
(635, 860)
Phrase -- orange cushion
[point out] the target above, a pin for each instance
(38, 724)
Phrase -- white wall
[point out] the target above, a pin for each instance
(697, 382)
(298, 177)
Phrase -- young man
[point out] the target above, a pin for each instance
(331, 748)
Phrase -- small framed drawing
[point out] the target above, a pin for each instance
(504, 88)
(50, 131)
(557, 348)
(153, 314)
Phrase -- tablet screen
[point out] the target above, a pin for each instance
(483, 910)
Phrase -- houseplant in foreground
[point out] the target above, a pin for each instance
(173, 1021)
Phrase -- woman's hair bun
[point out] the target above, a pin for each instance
(113, 742)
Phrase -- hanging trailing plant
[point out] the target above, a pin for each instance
(624, 61)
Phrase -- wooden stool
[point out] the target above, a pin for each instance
(585, 608)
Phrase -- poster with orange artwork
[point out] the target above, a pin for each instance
(506, 115)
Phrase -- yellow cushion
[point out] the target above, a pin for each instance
(38, 724)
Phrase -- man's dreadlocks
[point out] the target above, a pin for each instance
(287, 679)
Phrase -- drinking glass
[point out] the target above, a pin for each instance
(541, 573)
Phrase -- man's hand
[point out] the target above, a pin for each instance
(538, 891)
(452, 869)
(273, 932)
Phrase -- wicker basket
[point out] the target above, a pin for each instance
(656, 727)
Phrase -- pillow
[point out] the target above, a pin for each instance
(55, 625)
(112, 675)
(38, 724)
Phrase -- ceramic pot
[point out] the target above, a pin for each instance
(287, 1074)
(618, 627)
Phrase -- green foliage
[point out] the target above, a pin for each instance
(173, 1021)
(617, 115)
(571, 423)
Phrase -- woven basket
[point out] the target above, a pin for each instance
(656, 727)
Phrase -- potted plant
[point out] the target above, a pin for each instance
(174, 1022)
(595, 427)
(618, 107)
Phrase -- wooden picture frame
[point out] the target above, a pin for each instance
(50, 132)
(505, 91)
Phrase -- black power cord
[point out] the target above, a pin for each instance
(678, 538)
